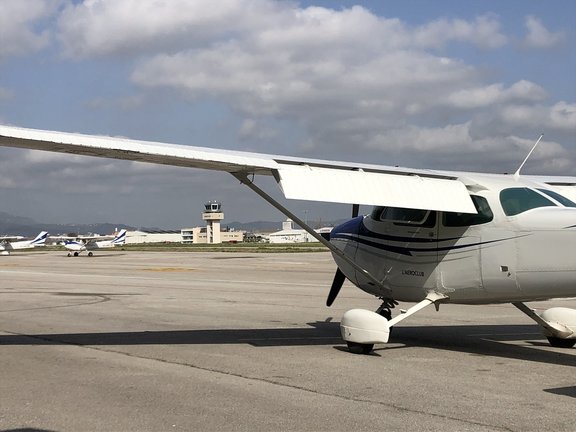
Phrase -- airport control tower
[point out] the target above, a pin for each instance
(213, 215)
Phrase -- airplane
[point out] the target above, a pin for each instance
(7, 246)
(432, 238)
(76, 247)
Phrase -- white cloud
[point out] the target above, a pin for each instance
(112, 27)
(539, 36)
(483, 32)
(562, 116)
(480, 97)
(18, 26)
(559, 117)
(132, 27)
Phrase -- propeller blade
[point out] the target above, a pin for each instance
(337, 283)
(339, 277)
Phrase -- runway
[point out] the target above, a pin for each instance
(132, 341)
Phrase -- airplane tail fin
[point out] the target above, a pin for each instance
(120, 239)
(40, 239)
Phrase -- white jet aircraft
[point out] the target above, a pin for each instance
(433, 237)
(7, 246)
(90, 244)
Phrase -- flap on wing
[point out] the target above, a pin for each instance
(369, 188)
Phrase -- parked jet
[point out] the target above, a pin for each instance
(8, 246)
(433, 237)
(90, 244)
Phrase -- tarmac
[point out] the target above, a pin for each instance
(150, 341)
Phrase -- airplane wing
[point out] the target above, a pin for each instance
(299, 178)
(10, 238)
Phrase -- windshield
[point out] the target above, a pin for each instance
(560, 198)
(518, 200)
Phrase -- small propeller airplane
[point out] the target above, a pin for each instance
(77, 246)
(432, 237)
(7, 246)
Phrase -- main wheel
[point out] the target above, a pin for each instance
(69, 254)
(75, 253)
(561, 343)
(90, 254)
(358, 348)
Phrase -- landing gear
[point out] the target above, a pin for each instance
(75, 253)
(69, 254)
(386, 307)
(558, 324)
(90, 254)
(361, 329)
(359, 348)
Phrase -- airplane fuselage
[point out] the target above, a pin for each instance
(521, 246)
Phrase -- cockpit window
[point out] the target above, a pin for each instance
(484, 215)
(560, 198)
(518, 200)
(404, 216)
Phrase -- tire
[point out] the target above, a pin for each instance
(561, 343)
(358, 348)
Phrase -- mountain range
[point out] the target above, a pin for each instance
(11, 225)
(18, 225)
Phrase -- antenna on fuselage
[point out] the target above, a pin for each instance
(517, 173)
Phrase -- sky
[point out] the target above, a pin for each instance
(454, 85)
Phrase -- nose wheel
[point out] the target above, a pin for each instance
(360, 348)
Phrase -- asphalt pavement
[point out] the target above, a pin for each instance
(132, 341)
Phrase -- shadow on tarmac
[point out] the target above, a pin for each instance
(481, 340)
(563, 391)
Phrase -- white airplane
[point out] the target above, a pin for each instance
(76, 247)
(433, 237)
(8, 246)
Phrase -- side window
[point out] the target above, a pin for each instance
(518, 200)
(404, 216)
(484, 215)
(398, 214)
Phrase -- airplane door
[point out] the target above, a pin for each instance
(402, 245)
(476, 261)
(459, 260)
(499, 263)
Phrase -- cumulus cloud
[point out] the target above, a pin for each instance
(483, 32)
(19, 30)
(113, 27)
(539, 36)
(348, 78)
(479, 97)
(560, 117)
(109, 27)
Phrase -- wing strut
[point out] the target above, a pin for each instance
(243, 177)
